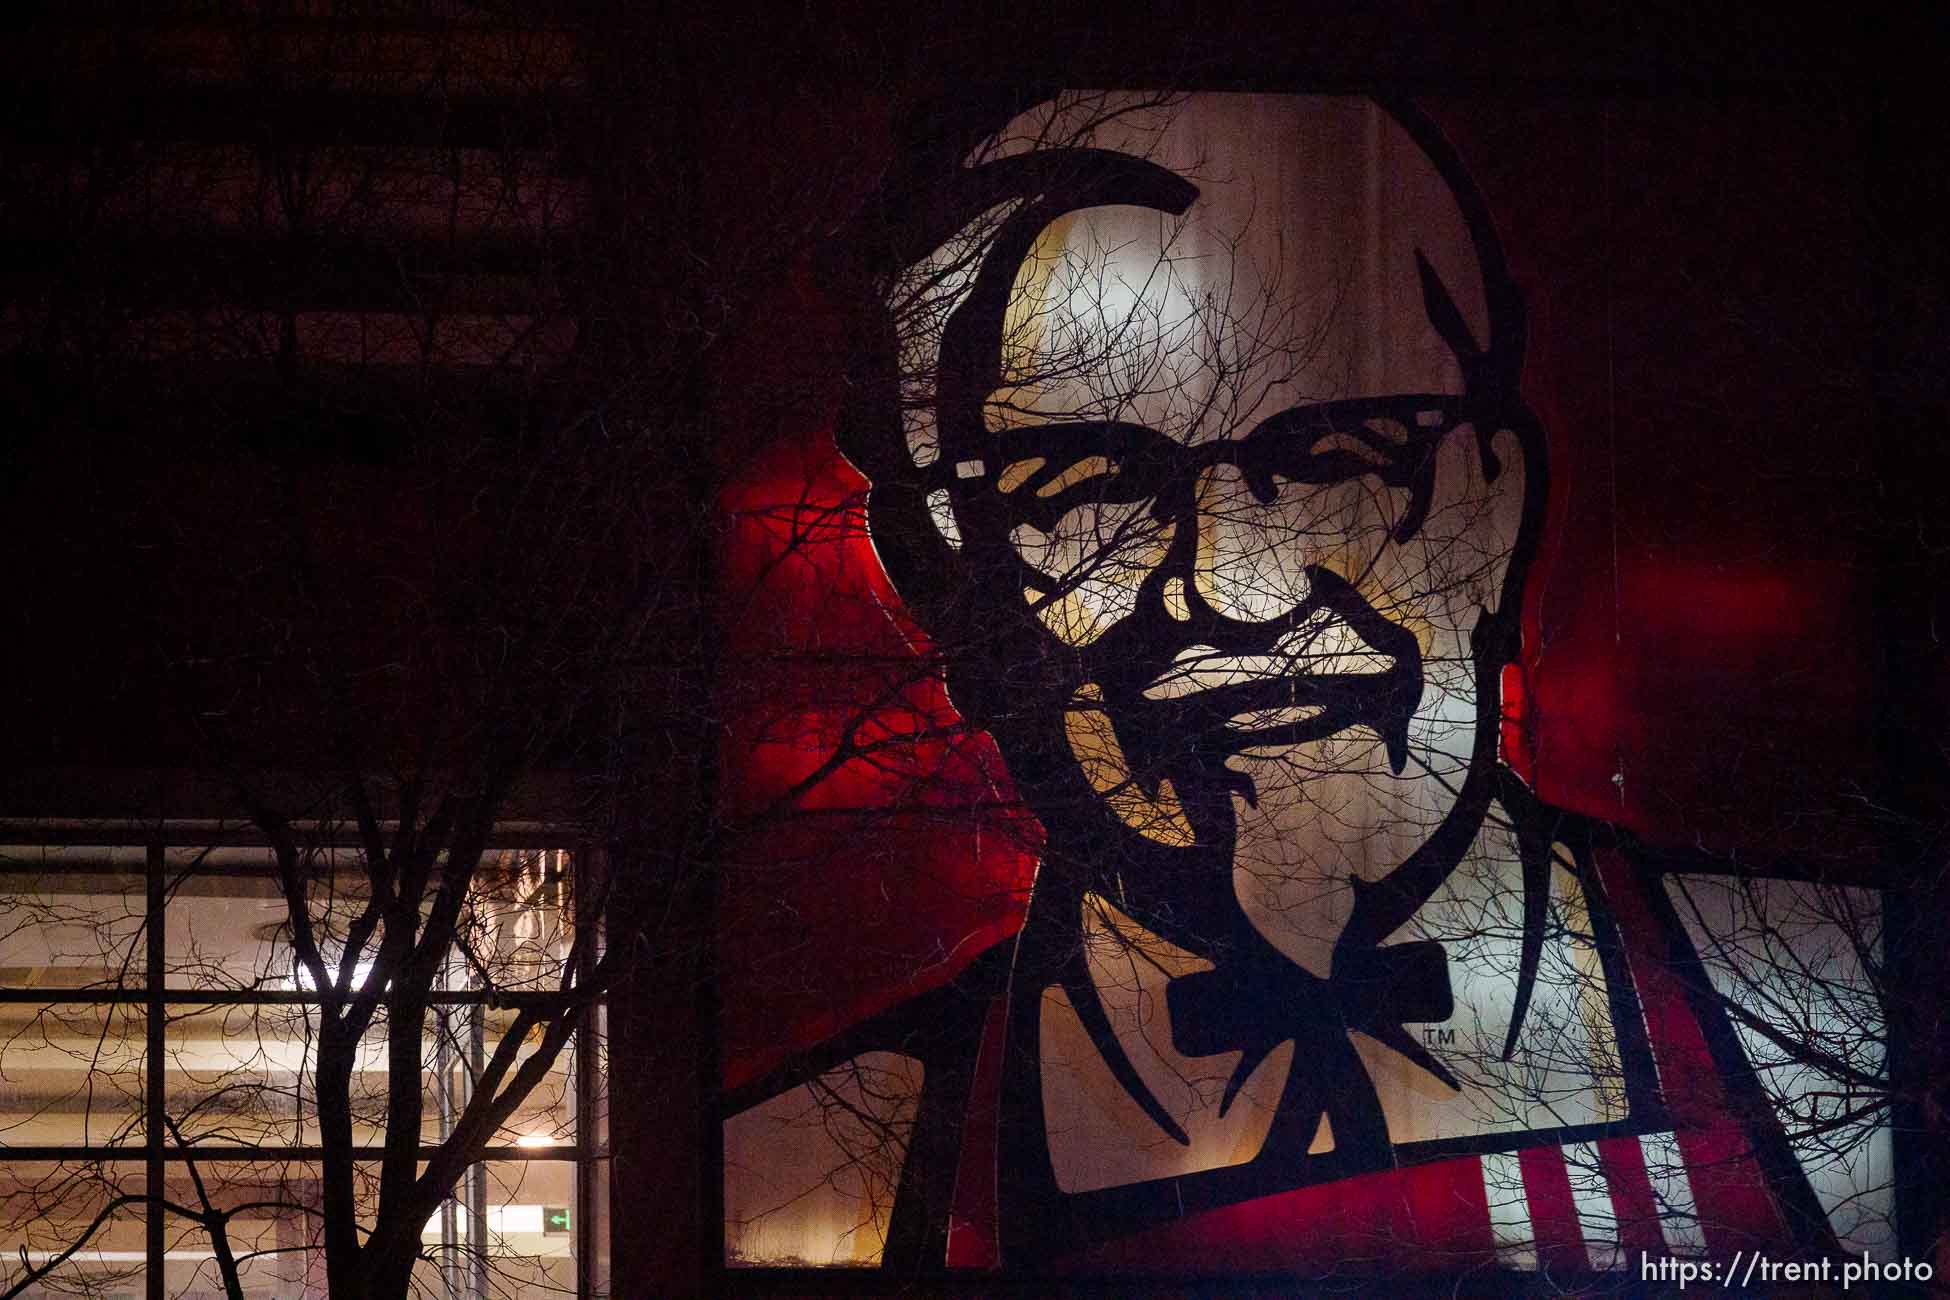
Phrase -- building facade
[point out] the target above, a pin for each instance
(1316, 668)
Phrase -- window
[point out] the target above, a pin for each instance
(158, 1054)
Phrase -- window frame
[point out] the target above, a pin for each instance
(588, 1153)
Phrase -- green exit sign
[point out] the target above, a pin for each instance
(555, 1220)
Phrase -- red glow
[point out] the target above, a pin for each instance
(1553, 1210)
(1519, 729)
(972, 1231)
(1431, 1218)
(1737, 1213)
(879, 847)
(1623, 1162)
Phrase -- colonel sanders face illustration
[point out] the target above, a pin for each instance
(1210, 476)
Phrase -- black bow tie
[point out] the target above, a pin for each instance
(1254, 1003)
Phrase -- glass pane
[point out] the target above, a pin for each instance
(240, 1075)
(230, 927)
(594, 1118)
(547, 1116)
(517, 924)
(72, 917)
(1799, 958)
(526, 1248)
(809, 1176)
(71, 1075)
(45, 1208)
(509, 1231)
(246, 1074)
(275, 1232)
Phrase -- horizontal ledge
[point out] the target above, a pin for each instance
(136, 1155)
(536, 121)
(199, 834)
(262, 997)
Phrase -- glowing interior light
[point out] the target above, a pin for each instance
(515, 1218)
(535, 1140)
(502, 1220)
(361, 972)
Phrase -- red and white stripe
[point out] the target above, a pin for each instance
(1592, 1205)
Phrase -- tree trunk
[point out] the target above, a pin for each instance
(345, 1267)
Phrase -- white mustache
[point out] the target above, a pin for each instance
(1323, 646)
